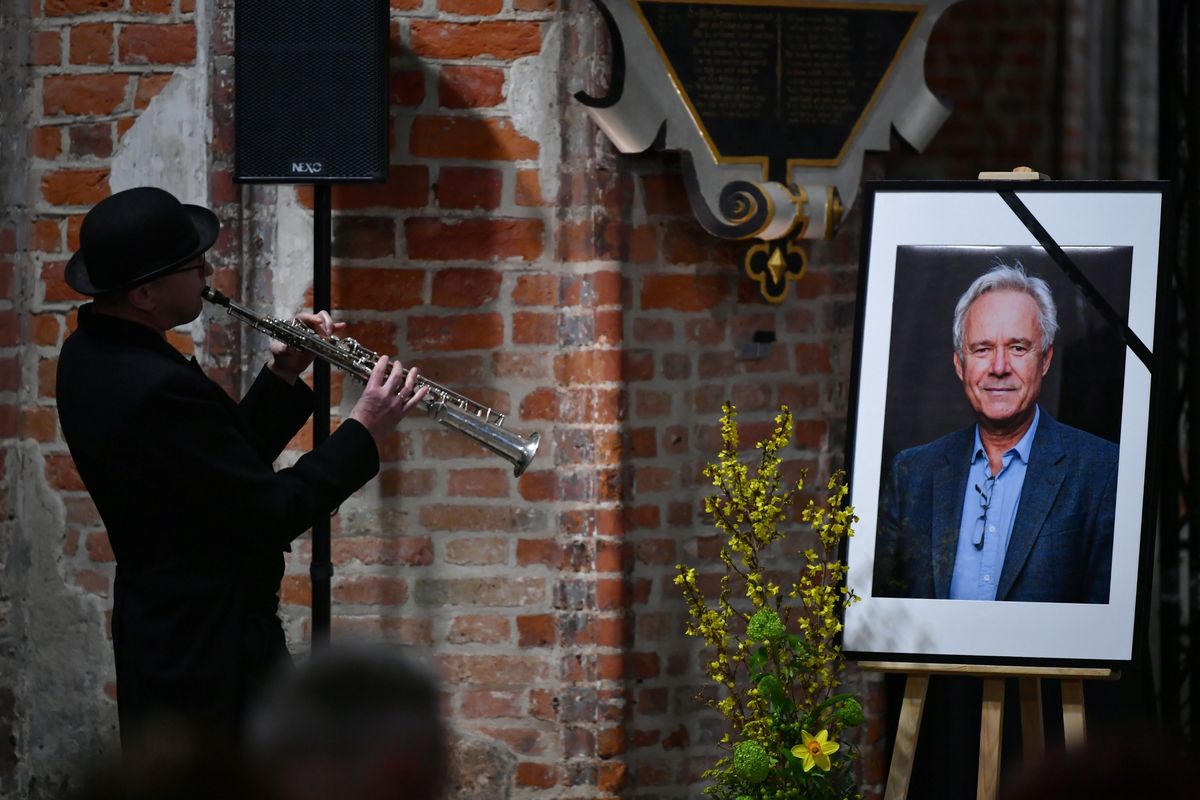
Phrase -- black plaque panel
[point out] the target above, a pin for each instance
(781, 82)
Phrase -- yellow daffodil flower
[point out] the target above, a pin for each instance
(815, 750)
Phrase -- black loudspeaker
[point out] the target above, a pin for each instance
(310, 91)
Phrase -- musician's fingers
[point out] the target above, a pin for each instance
(325, 323)
(416, 398)
(379, 373)
(394, 378)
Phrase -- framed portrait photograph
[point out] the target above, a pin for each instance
(1001, 424)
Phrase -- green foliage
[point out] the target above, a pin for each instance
(777, 688)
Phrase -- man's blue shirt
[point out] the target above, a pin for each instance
(989, 510)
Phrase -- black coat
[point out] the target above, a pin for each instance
(197, 516)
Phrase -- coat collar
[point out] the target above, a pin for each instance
(115, 330)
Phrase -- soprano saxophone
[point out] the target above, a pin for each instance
(456, 412)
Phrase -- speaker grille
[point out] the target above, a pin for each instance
(310, 91)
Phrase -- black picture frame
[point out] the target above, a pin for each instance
(1101, 246)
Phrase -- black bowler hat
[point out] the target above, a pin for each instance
(135, 236)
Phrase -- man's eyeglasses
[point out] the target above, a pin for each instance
(196, 263)
(985, 501)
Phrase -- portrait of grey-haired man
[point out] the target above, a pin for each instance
(1017, 506)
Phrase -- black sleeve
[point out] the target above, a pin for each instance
(275, 410)
(209, 450)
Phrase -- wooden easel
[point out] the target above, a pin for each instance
(1032, 734)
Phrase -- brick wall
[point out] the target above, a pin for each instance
(516, 258)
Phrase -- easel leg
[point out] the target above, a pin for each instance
(1033, 737)
(990, 727)
(915, 689)
(1074, 723)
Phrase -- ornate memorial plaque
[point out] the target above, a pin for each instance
(771, 104)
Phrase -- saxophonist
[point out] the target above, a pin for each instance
(182, 475)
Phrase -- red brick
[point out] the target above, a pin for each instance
(482, 139)
(10, 373)
(477, 551)
(687, 243)
(406, 482)
(92, 581)
(538, 552)
(376, 335)
(470, 8)
(91, 140)
(521, 740)
(99, 549)
(612, 773)
(528, 189)
(468, 187)
(494, 670)
(597, 239)
(474, 239)
(47, 379)
(92, 43)
(588, 366)
(148, 87)
(62, 8)
(810, 434)
(478, 629)
(45, 141)
(75, 187)
(665, 194)
(540, 404)
(684, 292)
(532, 366)
(534, 328)
(610, 742)
(813, 359)
(47, 235)
(538, 487)
(61, 473)
(47, 48)
(465, 288)
(296, 590)
(643, 244)
(386, 551)
(541, 776)
(364, 237)
(476, 518)
(393, 630)
(370, 590)
(482, 704)
(407, 88)
(407, 186)
(536, 290)
(451, 40)
(538, 630)
(150, 6)
(92, 94)
(46, 329)
(377, 289)
(157, 44)
(464, 332)
(483, 482)
(40, 423)
(470, 87)
(123, 126)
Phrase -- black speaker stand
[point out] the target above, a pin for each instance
(321, 568)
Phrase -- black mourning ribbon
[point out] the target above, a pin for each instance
(1077, 277)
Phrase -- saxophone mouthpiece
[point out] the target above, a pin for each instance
(214, 296)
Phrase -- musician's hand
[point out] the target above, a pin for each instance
(389, 396)
(288, 362)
